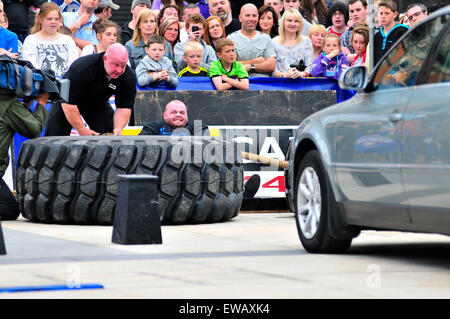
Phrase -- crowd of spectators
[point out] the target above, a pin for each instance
(230, 41)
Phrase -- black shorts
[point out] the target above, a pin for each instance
(101, 120)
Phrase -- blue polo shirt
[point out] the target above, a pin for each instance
(86, 32)
(8, 40)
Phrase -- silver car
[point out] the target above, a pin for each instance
(380, 160)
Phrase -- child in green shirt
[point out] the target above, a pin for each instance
(227, 73)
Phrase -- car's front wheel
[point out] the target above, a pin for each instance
(314, 205)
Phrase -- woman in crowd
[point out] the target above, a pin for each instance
(170, 10)
(170, 30)
(45, 47)
(107, 33)
(294, 50)
(268, 22)
(144, 29)
(213, 30)
(160, 4)
(317, 33)
(360, 40)
(315, 11)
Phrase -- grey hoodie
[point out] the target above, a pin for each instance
(147, 64)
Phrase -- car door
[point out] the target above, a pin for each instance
(369, 157)
(426, 152)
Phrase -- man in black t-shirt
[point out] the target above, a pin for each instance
(93, 80)
(175, 123)
(221, 8)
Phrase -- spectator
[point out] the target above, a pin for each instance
(404, 19)
(360, 40)
(107, 34)
(155, 68)
(8, 40)
(416, 12)
(295, 4)
(171, 10)
(93, 80)
(358, 14)
(390, 31)
(317, 33)
(189, 9)
(315, 11)
(236, 5)
(222, 9)
(254, 49)
(104, 9)
(169, 29)
(338, 15)
(126, 31)
(277, 5)
(194, 25)
(294, 51)
(332, 62)
(145, 27)
(45, 47)
(226, 73)
(175, 122)
(193, 56)
(81, 23)
(214, 30)
(68, 5)
(268, 22)
(17, 12)
(158, 5)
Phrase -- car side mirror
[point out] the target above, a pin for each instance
(354, 78)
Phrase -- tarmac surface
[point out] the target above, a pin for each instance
(255, 255)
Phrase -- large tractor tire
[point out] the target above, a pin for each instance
(74, 180)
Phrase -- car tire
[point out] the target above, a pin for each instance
(75, 180)
(9, 208)
(314, 206)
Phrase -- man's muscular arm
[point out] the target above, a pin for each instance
(121, 118)
(74, 117)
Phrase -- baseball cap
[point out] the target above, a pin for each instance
(136, 2)
(108, 3)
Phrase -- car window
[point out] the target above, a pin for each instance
(440, 71)
(401, 66)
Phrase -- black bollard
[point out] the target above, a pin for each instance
(2, 241)
(137, 218)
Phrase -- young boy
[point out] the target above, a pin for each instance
(155, 68)
(332, 62)
(338, 15)
(227, 73)
(390, 31)
(193, 56)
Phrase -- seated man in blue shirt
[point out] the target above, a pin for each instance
(8, 40)
(175, 123)
(81, 23)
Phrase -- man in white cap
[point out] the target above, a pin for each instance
(104, 9)
(126, 30)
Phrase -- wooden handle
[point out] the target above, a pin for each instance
(264, 159)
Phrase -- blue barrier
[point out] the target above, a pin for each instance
(259, 84)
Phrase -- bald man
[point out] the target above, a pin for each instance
(254, 49)
(175, 122)
(93, 80)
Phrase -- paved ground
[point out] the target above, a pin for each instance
(256, 255)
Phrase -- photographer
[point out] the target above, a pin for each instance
(16, 117)
(93, 80)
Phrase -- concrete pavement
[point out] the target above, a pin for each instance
(256, 255)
